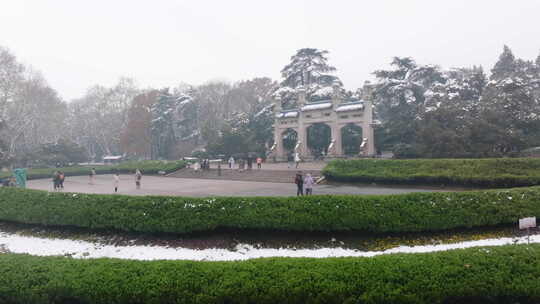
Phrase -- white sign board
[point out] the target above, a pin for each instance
(528, 222)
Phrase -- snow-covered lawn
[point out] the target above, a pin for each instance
(81, 249)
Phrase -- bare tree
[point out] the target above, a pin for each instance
(11, 75)
(98, 118)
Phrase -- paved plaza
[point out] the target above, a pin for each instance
(157, 185)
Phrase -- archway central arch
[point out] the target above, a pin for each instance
(319, 136)
(351, 139)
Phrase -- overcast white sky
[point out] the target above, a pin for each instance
(160, 43)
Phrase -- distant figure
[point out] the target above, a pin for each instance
(297, 159)
(61, 178)
(116, 182)
(231, 162)
(56, 180)
(92, 173)
(308, 184)
(241, 164)
(299, 181)
(249, 163)
(9, 182)
(138, 177)
(259, 162)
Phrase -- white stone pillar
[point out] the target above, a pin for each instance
(302, 129)
(301, 97)
(278, 132)
(278, 141)
(336, 137)
(367, 126)
(302, 137)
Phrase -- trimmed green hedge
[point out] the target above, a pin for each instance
(489, 172)
(375, 213)
(507, 274)
(147, 167)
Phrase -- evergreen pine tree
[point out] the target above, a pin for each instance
(400, 98)
(309, 69)
(505, 66)
(163, 136)
(509, 104)
(307, 66)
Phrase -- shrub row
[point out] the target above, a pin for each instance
(492, 173)
(372, 213)
(147, 167)
(507, 274)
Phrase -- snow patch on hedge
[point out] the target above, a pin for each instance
(81, 249)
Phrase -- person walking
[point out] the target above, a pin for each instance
(231, 162)
(138, 177)
(116, 178)
(259, 163)
(297, 159)
(299, 181)
(92, 173)
(308, 184)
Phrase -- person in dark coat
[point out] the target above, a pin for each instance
(249, 162)
(56, 180)
(299, 181)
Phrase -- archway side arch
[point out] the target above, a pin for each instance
(289, 139)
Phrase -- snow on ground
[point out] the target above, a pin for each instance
(81, 249)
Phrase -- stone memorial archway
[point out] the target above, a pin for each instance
(336, 113)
